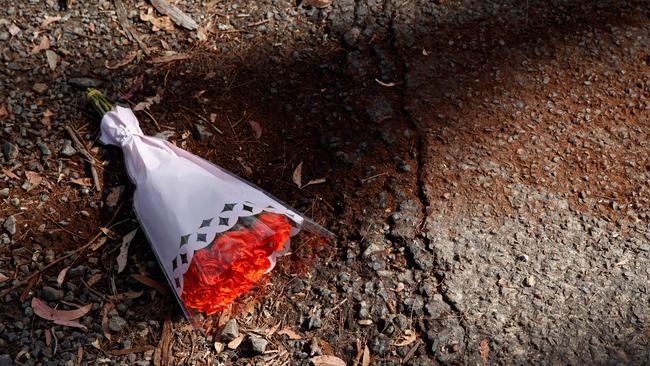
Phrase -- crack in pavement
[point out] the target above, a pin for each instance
(401, 89)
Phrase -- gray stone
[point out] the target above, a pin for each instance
(10, 225)
(230, 330)
(67, 149)
(258, 344)
(51, 294)
(44, 149)
(116, 323)
(5, 360)
(164, 135)
(4, 192)
(201, 132)
(40, 88)
(10, 151)
(315, 321)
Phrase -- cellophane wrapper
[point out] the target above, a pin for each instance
(214, 234)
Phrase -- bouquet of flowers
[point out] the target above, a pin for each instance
(214, 234)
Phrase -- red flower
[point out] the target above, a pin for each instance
(235, 260)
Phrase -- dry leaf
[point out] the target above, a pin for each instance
(33, 178)
(71, 323)
(105, 310)
(484, 349)
(48, 337)
(41, 309)
(127, 295)
(169, 58)
(388, 85)
(49, 20)
(95, 344)
(3, 112)
(297, 175)
(365, 361)
(272, 330)
(108, 232)
(148, 102)
(9, 174)
(99, 243)
(158, 23)
(149, 282)
(84, 182)
(315, 181)
(44, 45)
(290, 333)
(52, 59)
(125, 61)
(327, 361)
(61, 276)
(13, 30)
(257, 129)
(3, 278)
(124, 250)
(94, 279)
(236, 342)
(409, 337)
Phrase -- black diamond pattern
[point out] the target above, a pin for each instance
(248, 208)
(206, 223)
(184, 258)
(223, 221)
(228, 207)
(185, 239)
(178, 282)
(174, 264)
(201, 237)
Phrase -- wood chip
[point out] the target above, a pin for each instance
(157, 23)
(365, 360)
(9, 174)
(3, 278)
(43, 45)
(178, 16)
(49, 20)
(289, 333)
(236, 342)
(484, 349)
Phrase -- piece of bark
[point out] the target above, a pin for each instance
(176, 14)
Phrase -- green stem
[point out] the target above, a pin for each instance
(100, 103)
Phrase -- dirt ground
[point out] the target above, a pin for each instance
(485, 162)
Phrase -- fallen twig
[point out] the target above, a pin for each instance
(83, 151)
(25, 280)
(131, 33)
(197, 115)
